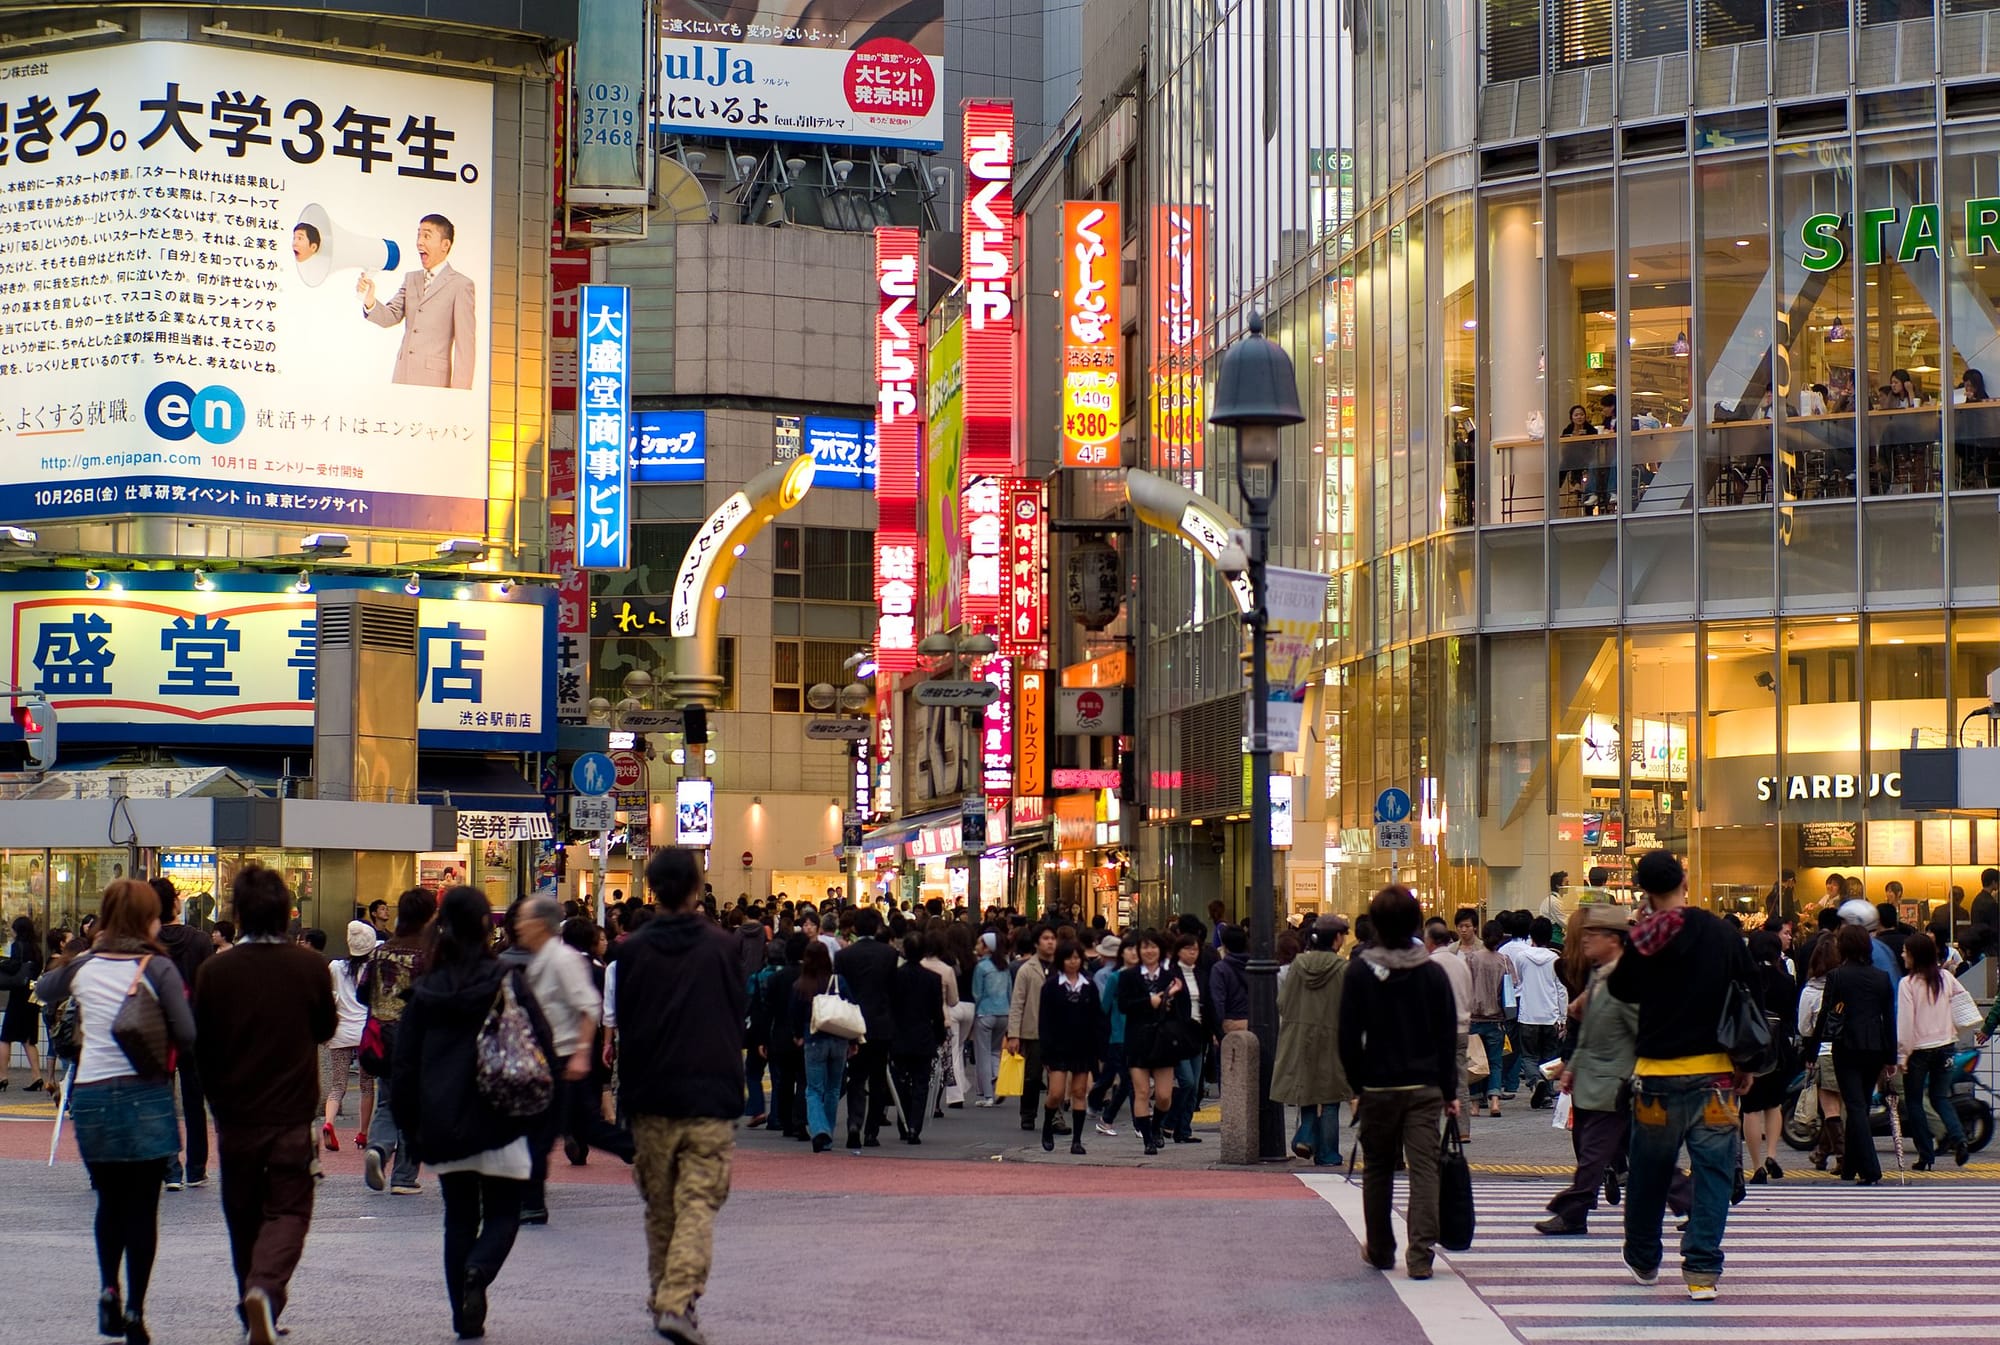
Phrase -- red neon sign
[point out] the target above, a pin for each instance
(990, 256)
(899, 410)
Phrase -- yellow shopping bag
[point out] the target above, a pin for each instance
(1013, 1075)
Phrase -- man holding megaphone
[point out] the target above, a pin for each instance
(435, 308)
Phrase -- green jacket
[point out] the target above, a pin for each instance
(1607, 1045)
(1307, 1071)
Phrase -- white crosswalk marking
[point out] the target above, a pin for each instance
(1790, 1252)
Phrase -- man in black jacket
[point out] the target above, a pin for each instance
(189, 948)
(867, 972)
(680, 1008)
(1399, 1047)
(918, 1004)
(1684, 1087)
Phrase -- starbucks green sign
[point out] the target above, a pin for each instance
(1915, 232)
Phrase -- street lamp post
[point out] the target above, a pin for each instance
(851, 700)
(1257, 394)
(972, 787)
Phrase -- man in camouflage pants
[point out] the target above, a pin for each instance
(678, 1001)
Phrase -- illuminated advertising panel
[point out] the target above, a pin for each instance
(1092, 339)
(216, 265)
(1031, 742)
(1024, 629)
(899, 411)
(996, 733)
(984, 511)
(603, 421)
(1179, 305)
(989, 260)
(845, 71)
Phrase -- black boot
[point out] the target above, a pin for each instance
(1076, 1119)
(1149, 1130)
(1048, 1130)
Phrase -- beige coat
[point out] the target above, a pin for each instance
(1024, 1013)
(438, 329)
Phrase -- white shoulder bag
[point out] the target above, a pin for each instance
(833, 1016)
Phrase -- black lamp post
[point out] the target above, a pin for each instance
(1257, 394)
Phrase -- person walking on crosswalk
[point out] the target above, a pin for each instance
(1684, 1088)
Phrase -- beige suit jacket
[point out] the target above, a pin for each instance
(438, 329)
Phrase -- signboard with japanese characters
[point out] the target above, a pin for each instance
(988, 266)
(899, 412)
(984, 515)
(1025, 627)
(669, 445)
(996, 732)
(837, 70)
(843, 452)
(572, 668)
(1031, 743)
(262, 289)
(603, 427)
(1180, 318)
(148, 656)
(1092, 405)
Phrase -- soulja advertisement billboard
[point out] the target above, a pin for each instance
(244, 286)
(864, 72)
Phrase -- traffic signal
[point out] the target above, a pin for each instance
(37, 721)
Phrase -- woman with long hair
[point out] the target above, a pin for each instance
(1926, 1035)
(992, 993)
(1073, 1033)
(1817, 1048)
(1861, 1003)
(938, 961)
(20, 1025)
(125, 1127)
(481, 1156)
(338, 1056)
(1763, 1105)
(825, 1054)
(1152, 995)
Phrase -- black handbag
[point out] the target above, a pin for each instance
(1743, 1032)
(140, 1028)
(1455, 1213)
(1178, 1037)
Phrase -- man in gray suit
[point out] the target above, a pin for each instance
(436, 310)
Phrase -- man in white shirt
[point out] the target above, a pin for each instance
(1443, 944)
(567, 993)
(1543, 1005)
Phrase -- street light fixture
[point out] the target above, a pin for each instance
(972, 800)
(851, 701)
(1257, 395)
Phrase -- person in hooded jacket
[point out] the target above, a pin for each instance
(481, 1158)
(1308, 1073)
(189, 948)
(1543, 1006)
(1399, 1046)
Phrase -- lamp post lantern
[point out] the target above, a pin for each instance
(1257, 395)
(972, 800)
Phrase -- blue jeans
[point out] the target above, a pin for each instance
(753, 1083)
(1320, 1127)
(826, 1067)
(1187, 1096)
(1668, 1111)
(1930, 1076)
(1494, 1036)
(383, 1135)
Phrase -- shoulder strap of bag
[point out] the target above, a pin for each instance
(138, 975)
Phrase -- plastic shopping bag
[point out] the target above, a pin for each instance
(1013, 1075)
(1564, 1113)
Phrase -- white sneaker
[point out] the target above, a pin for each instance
(1103, 1128)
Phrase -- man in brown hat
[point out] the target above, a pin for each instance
(1596, 1079)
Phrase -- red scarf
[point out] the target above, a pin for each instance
(1656, 930)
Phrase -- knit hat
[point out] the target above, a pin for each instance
(361, 938)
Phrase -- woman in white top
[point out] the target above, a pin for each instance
(1926, 1035)
(125, 1127)
(337, 1060)
(1817, 1052)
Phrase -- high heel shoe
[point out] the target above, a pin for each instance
(329, 1139)
(110, 1317)
(1771, 1166)
(3, 1084)
(135, 1329)
(34, 1086)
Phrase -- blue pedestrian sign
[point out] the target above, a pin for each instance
(1392, 805)
(593, 774)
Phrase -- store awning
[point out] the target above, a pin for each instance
(478, 784)
(905, 829)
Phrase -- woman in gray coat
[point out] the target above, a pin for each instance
(1307, 1072)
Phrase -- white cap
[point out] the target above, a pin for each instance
(1859, 912)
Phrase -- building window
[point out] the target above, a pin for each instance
(1579, 33)
(838, 565)
(1513, 39)
(613, 658)
(785, 580)
(799, 664)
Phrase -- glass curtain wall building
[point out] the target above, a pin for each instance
(1658, 463)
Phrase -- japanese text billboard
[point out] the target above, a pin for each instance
(899, 411)
(843, 452)
(603, 429)
(990, 236)
(983, 513)
(669, 445)
(245, 286)
(944, 446)
(1025, 629)
(147, 656)
(852, 71)
(1092, 339)
(1179, 305)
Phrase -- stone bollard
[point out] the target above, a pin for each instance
(1240, 1097)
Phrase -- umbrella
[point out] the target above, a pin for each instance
(55, 1140)
(1889, 1101)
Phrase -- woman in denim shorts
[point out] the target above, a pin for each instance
(125, 1125)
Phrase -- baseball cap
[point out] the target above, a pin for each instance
(1859, 912)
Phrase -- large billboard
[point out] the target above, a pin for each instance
(990, 254)
(1093, 337)
(899, 409)
(849, 71)
(944, 445)
(152, 656)
(245, 286)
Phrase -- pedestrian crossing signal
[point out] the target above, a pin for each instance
(36, 720)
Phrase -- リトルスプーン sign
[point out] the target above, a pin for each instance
(221, 304)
